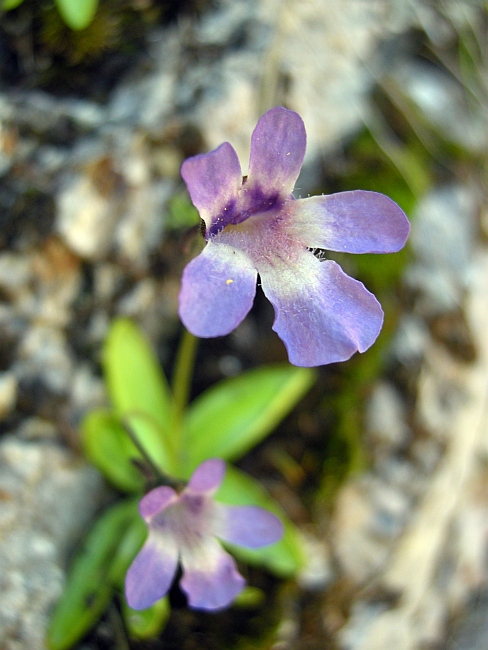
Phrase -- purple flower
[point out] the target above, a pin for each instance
(183, 527)
(255, 226)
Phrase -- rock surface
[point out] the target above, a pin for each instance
(47, 498)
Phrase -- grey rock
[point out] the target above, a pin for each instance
(41, 113)
(147, 100)
(410, 340)
(141, 225)
(471, 631)
(86, 218)
(442, 100)
(440, 555)
(43, 352)
(47, 498)
(385, 417)
(443, 235)
(15, 272)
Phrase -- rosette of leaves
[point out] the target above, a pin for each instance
(225, 421)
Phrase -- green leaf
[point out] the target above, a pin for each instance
(181, 212)
(107, 445)
(284, 558)
(11, 4)
(138, 388)
(234, 415)
(77, 14)
(130, 545)
(146, 623)
(250, 597)
(89, 589)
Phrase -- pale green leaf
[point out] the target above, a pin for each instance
(234, 415)
(11, 4)
(137, 387)
(108, 446)
(146, 623)
(77, 14)
(250, 597)
(89, 589)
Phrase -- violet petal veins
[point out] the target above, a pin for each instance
(256, 227)
(184, 528)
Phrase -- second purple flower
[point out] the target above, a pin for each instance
(255, 226)
(183, 528)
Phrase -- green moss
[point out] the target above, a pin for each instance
(85, 45)
(116, 26)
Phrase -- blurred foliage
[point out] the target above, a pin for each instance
(118, 25)
(77, 14)
(181, 212)
(65, 46)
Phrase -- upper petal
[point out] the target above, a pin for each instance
(217, 290)
(210, 576)
(150, 575)
(352, 222)
(321, 314)
(248, 526)
(207, 477)
(277, 150)
(213, 181)
(156, 501)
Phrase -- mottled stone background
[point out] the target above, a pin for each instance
(90, 151)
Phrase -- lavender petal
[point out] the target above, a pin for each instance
(150, 575)
(277, 151)
(210, 577)
(248, 526)
(213, 181)
(352, 222)
(321, 314)
(207, 477)
(217, 290)
(156, 501)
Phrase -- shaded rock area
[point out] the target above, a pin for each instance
(47, 499)
(88, 232)
(418, 546)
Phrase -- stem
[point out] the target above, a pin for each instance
(162, 478)
(185, 360)
(118, 628)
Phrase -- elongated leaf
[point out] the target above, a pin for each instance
(250, 597)
(130, 544)
(134, 378)
(136, 385)
(146, 623)
(11, 4)
(284, 558)
(89, 589)
(233, 416)
(108, 446)
(77, 14)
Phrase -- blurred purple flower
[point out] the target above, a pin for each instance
(255, 226)
(184, 527)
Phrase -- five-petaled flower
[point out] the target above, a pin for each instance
(255, 226)
(184, 527)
